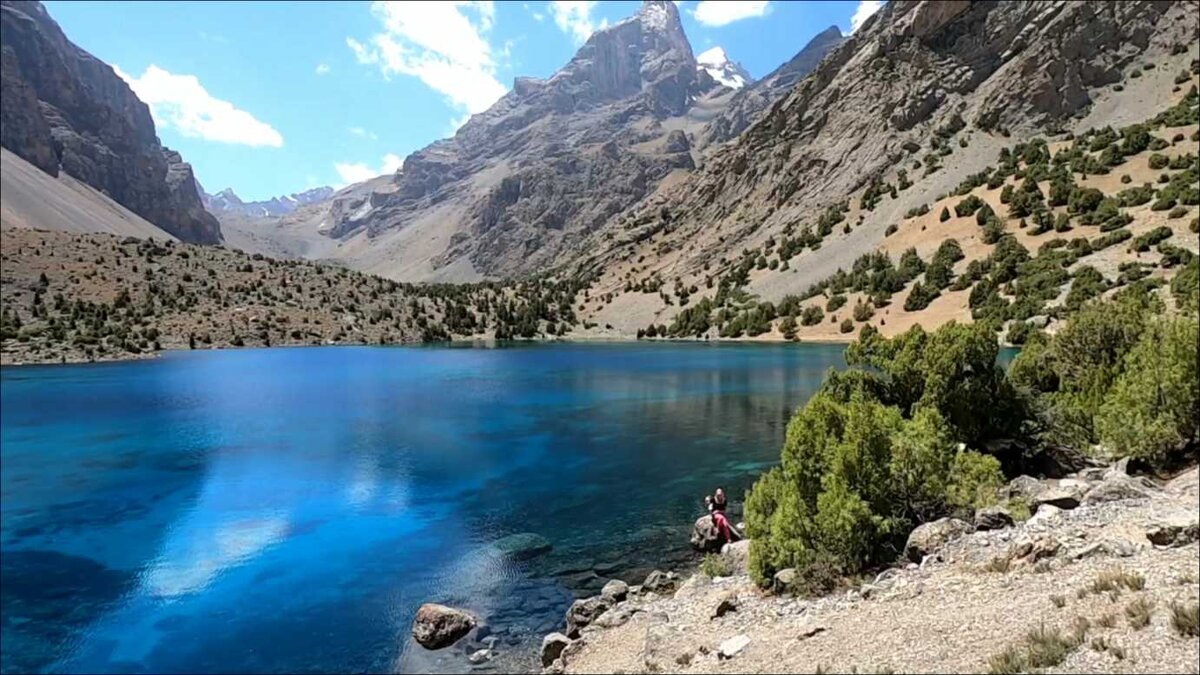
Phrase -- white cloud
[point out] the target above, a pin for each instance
(322, 68)
(357, 172)
(180, 102)
(722, 12)
(363, 133)
(574, 17)
(392, 163)
(444, 44)
(865, 9)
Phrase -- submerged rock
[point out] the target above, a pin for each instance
(524, 546)
(437, 626)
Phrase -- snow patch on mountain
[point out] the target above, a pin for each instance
(727, 73)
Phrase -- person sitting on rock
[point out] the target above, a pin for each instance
(717, 503)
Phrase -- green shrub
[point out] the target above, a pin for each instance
(863, 311)
(835, 303)
(811, 316)
(715, 566)
(945, 215)
(1151, 407)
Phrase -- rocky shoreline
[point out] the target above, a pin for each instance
(981, 585)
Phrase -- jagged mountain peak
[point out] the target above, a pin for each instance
(726, 72)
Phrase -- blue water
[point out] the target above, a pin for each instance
(287, 510)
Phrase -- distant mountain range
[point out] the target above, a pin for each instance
(227, 201)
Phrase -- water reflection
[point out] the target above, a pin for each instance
(283, 510)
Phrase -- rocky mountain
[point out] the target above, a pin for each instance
(753, 100)
(720, 68)
(228, 201)
(63, 110)
(527, 180)
(892, 120)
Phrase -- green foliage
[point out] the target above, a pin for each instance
(1151, 409)
(966, 207)
(1185, 287)
(811, 316)
(877, 450)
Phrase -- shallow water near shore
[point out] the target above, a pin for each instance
(287, 510)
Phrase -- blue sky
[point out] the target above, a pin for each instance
(274, 97)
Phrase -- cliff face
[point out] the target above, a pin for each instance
(65, 110)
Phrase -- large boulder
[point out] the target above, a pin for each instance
(706, 538)
(1021, 487)
(615, 591)
(993, 518)
(438, 626)
(553, 646)
(931, 536)
(1117, 486)
(726, 602)
(617, 616)
(659, 582)
(738, 556)
(583, 612)
(784, 581)
(1065, 494)
(524, 546)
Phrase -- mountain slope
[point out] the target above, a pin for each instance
(521, 184)
(64, 110)
(35, 199)
(931, 88)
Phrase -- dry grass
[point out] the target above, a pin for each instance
(1107, 620)
(1139, 612)
(1184, 618)
(1114, 580)
(1047, 647)
(1058, 601)
(1007, 662)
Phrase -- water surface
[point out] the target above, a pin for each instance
(286, 510)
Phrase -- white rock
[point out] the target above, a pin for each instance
(733, 646)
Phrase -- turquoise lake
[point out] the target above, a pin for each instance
(287, 510)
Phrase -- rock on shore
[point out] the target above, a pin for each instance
(988, 587)
(439, 626)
